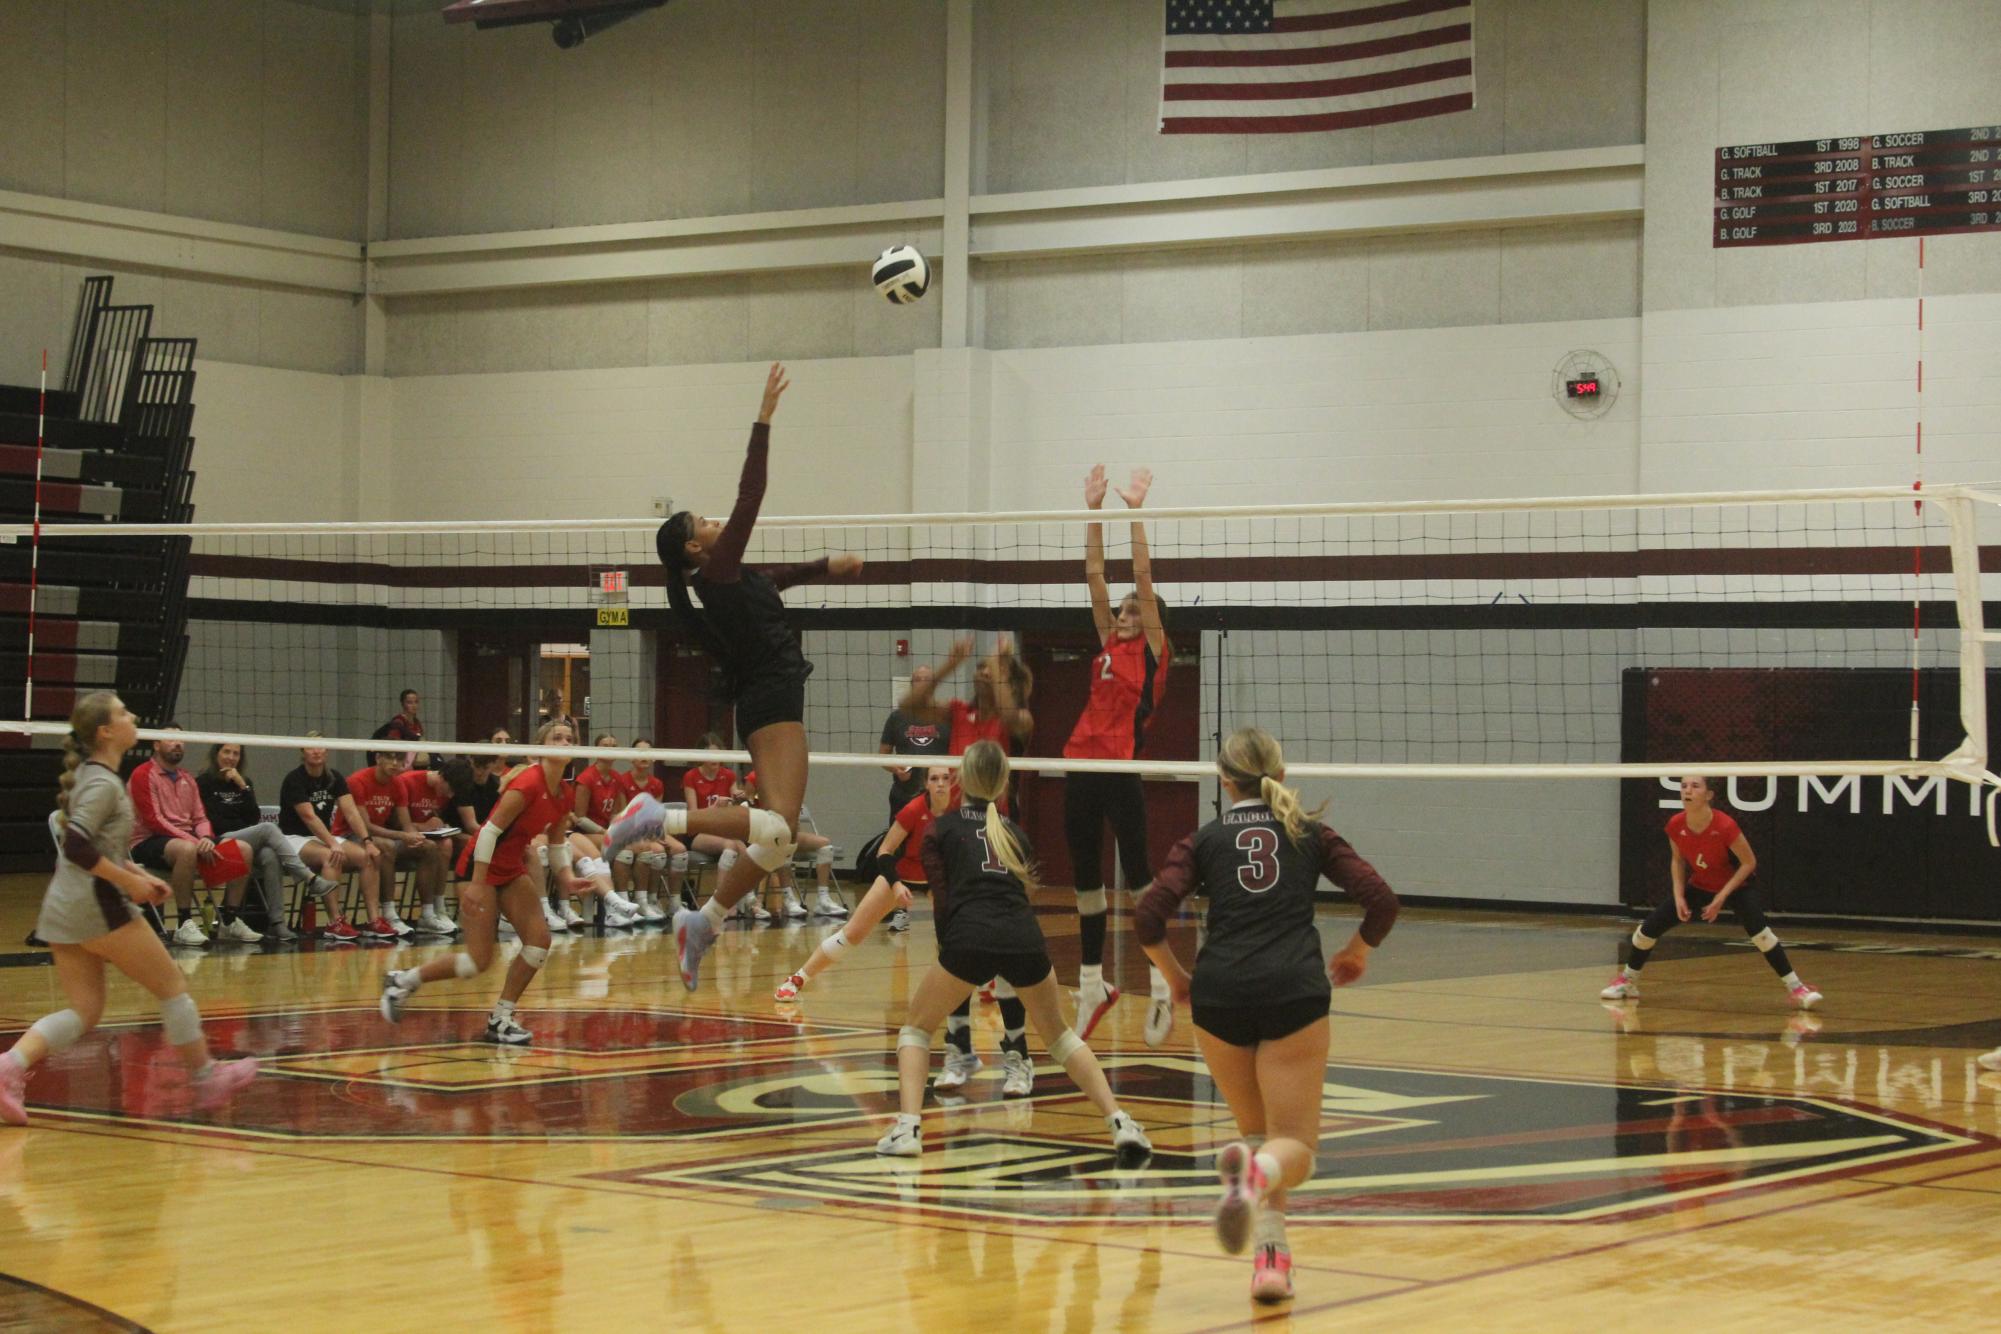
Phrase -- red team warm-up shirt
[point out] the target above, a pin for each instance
(709, 791)
(968, 727)
(608, 794)
(1127, 683)
(1710, 865)
(376, 798)
(652, 786)
(414, 790)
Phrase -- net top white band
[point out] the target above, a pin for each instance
(1351, 509)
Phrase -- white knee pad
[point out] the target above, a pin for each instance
(726, 860)
(1643, 941)
(1091, 903)
(912, 1037)
(1067, 1044)
(181, 1020)
(463, 966)
(679, 862)
(60, 1030)
(825, 856)
(835, 943)
(534, 955)
(659, 860)
(626, 858)
(542, 854)
(1003, 989)
(768, 827)
(557, 857)
(1766, 941)
(772, 856)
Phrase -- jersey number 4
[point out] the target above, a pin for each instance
(1260, 869)
(1700, 863)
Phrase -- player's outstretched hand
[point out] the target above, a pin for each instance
(775, 385)
(1094, 486)
(1134, 492)
(844, 565)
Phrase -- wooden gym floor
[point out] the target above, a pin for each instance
(1501, 1151)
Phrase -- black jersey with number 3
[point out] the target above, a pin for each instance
(1262, 946)
(977, 903)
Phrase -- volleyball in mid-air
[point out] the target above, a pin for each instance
(901, 274)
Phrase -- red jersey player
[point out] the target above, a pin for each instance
(1128, 680)
(1702, 843)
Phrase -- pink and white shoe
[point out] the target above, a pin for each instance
(789, 989)
(220, 1082)
(1624, 987)
(1805, 996)
(13, 1093)
(1243, 1187)
(1271, 1275)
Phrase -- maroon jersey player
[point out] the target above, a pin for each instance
(1710, 865)
(1261, 985)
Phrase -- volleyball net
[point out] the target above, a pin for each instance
(1822, 631)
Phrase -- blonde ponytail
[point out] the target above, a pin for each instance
(92, 712)
(983, 774)
(1251, 760)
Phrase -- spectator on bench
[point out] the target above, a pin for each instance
(373, 794)
(307, 800)
(172, 834)
(421, 794)
(231, 804)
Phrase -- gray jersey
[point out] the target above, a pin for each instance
(79, 905)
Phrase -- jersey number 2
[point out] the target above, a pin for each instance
(1260, 871)
(1105, 667)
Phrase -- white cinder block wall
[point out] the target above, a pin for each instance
(1374, 368)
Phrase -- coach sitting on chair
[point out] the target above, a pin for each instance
(171, 833)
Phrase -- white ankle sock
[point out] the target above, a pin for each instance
(1792, 980)
(1091, 975)
(1156, 984)
(713, 910)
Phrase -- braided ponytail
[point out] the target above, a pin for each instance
(1251, 760)
(91, 712)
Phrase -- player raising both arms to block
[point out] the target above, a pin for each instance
(1701, 842)
(1260, 988)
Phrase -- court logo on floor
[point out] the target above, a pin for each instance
(1396, 1145)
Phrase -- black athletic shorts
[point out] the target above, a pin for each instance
(976, 967)
(761, 703)
(1248, 1025)
(152, 852)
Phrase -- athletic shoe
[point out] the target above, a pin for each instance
(1237, 1169)
(1624, 987)
(829, 906)
(190, 933)
(899, 921)
(650, 910)
(219, 1083)
(396, 922)
(379, 929)
(750, 910)
(794, 909)
(239, 932)
(394, 998)
(1019, 1080)
(571, 917)
(1094, 1002)
(435, 923)
(693, 934)
(904, 1140)
(959, 1067)
(1271, 1275)
(1991, 1060)
(340, 933)
(1159, 1020)
(987, 994)
(789, 989)
(321, 888)
(502, 1029)
(1805, 996)
(615, 920)
(644, 818)
(620, 904)
(281, 933)
(13, 1093)
(552, 918)
(1127, 1138)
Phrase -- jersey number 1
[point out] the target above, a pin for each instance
(991, 864)
(1260, 847)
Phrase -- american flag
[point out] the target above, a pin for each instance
(1274, 66)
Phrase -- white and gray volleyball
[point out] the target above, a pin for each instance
(901, 274)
